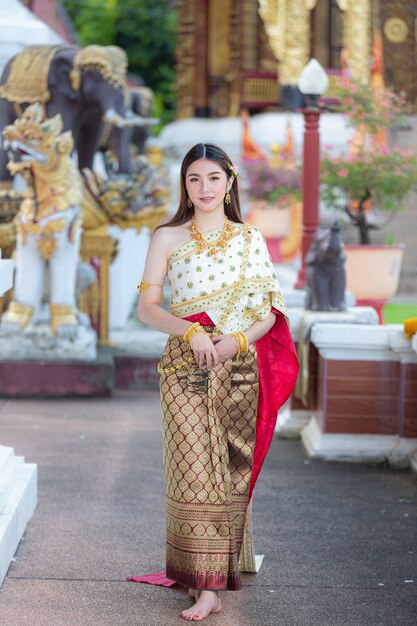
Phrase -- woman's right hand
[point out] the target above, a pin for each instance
(204, 351)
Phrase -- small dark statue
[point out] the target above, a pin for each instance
(325, 274)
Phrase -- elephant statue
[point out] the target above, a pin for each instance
(86, 86)
(140, 101)
(325, 274)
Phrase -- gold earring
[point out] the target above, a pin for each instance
(189, 203)
(227, 198)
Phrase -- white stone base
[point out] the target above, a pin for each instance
(291, 423)
(395, 450)
(18, 498)
(38, 343)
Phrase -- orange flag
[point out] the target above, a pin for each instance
(250, 150)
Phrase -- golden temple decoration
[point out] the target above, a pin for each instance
(310, 4)
(28, 78)
(219, 37)
(273, 14)
(342, 4)
(287, 23)
(110, 61)
(47, 241)
(53, 185)
(185, 63)
(395, 30)
(357, 37)
(95, 300)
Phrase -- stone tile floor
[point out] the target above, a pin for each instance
(340, 540)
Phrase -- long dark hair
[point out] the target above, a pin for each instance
(217, 155)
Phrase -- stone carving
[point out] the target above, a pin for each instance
(48, 223)
(325, 274)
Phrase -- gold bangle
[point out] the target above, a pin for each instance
(236, 338)
(192, 330)
(243, 343)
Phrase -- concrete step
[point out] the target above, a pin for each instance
(5, 454)
(8, 475)
(18, 498)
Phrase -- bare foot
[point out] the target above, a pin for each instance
(193, 593)
(207, 602)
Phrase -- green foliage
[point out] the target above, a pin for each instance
(371, 174)
(145, 29)
(370, 108)
(387, 176)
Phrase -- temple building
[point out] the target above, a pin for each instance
(251, 52)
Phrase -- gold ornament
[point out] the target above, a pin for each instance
(110, 61)
(28, 78)
(192, 330)
(62, 315)
(242, 344)
(173, 368)
(144, 286)
(227, 198)
(18, 313)
(189, 203)
(395, 30)
(216, 247)
(55, 184)
(357, 39)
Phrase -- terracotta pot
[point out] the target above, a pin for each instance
(373, 271)
(272, 220)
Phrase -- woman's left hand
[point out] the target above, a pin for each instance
(226, 347)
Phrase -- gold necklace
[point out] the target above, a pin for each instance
(215, 247)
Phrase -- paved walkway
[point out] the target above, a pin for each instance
(340, 540)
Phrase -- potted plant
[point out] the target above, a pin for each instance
(367, 180)
(272, 191)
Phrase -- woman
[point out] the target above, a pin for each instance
(219, 392)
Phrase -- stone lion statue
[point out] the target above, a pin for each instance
(48, 223)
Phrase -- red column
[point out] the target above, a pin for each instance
(311, 185)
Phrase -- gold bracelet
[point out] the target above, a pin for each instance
(236, 338)
(243, 343)
(192, 330)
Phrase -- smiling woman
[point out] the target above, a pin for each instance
(228, 365)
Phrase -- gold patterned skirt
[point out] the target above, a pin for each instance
(209, 421)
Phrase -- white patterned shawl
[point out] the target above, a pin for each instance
(235, 289)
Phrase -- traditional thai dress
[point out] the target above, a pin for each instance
(218, 424)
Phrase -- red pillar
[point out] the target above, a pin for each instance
(311, 185)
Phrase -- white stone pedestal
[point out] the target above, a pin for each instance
(291, 422)
(366, 381)
(18, 480)
(126, 272)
